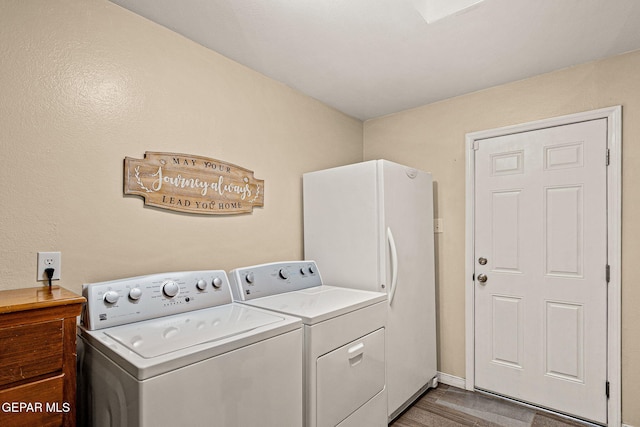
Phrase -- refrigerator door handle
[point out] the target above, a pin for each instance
(394, 264)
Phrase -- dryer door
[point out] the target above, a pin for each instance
(349, 377)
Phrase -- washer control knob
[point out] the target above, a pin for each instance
(135, 293)
(201, 284)
(249, 277)
(170, 288)
(217, 282)
(111, 297)
(303, 271)
(312, 269)
(283, 273)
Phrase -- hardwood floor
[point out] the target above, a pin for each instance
(448, 406)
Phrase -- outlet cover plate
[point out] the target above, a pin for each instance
(49, 260)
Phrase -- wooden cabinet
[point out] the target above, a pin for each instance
(38, 356)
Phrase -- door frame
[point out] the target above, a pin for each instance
(613, 115)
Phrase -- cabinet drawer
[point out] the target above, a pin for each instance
(35, 404)
(30, 350)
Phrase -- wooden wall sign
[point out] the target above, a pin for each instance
(193, 184)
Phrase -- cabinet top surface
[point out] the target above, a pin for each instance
(34, 298)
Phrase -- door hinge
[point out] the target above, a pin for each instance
(608, 157)
(608, 273)
(606, 389)
(473, 278)
(476, 144)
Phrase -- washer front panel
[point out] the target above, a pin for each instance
(253, 384)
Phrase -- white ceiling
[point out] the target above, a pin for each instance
(369, 58)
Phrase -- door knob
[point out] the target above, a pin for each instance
(482, 261)
(482, 278)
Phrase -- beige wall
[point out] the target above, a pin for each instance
(432, 138)
(85, 83)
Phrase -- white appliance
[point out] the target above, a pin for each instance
(173, 349)
(344, 334)
(370, 226)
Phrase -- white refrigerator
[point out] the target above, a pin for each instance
(370, 226)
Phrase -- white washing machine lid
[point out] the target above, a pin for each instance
(320, 303)
(152, 347)
(169, 334)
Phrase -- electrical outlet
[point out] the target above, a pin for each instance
(49, 260)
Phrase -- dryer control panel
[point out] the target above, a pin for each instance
(119, 302)
(262, 280)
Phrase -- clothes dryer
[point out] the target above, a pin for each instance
(344, 333)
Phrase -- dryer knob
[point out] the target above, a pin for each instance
(249, 278)
(217, 282)
(303, 271)
(201, 284)
(170, 288)
(111, 297)
(284, 273)
(312, 269)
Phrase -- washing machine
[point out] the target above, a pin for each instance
(344, 332)
(173, 349)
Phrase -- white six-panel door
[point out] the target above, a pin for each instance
(541, 226)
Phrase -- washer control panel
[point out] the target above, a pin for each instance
(262, 280)
(119, 302)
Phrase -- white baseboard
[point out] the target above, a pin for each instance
(627, 425)
(452, 380)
